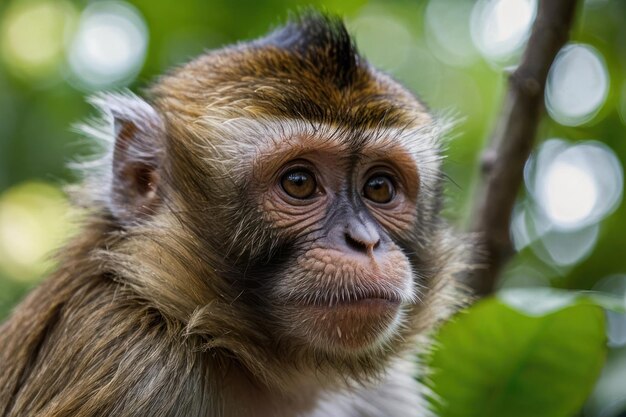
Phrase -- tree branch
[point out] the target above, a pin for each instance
(512, 141)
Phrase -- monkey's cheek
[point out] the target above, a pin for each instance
(350, 327)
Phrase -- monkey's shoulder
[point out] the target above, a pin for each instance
(93, 350)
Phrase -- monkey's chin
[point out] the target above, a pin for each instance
(354, 326)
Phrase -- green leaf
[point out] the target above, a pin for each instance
(494, 361)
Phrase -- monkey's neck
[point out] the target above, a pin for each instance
(244, 396)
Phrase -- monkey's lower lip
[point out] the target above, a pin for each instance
(349, 325)
(366, 307)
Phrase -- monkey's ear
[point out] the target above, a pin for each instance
(137, 155)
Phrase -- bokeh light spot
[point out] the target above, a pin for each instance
(538, 301)
(33, 222)
(109, 46)
(33, 36)
(565, 248)
(555, 246)
(500, 27)
(568, 193)
(578, 84)
(520, 229)
(576, 185)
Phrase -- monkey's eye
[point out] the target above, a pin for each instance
(299, 183)
(379, 189)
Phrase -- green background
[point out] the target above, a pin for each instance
(41, 100)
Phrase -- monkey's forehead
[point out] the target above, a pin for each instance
(268, 81)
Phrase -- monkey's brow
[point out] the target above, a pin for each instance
(333, 151)
(252, 142)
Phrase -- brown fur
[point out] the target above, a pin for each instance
(163, 306)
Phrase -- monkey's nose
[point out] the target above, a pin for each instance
(362, 237)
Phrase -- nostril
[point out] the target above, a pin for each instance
(359, 245)
(355, 244)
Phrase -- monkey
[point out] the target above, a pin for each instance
(261, 236)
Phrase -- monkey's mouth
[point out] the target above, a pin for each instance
(356, 299)
(361, 307)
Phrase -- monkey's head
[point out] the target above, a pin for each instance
(278, 200)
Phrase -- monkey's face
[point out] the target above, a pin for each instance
(344, 211)
(309, 186)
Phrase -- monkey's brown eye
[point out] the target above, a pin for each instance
(299, 183)
(379, 189)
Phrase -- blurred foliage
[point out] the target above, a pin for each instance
(434, 47)
(539, 358)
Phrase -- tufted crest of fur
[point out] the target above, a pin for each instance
(167, 315)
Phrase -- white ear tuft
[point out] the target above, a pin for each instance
(133, 133)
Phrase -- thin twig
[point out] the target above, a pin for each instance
(512, 141)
